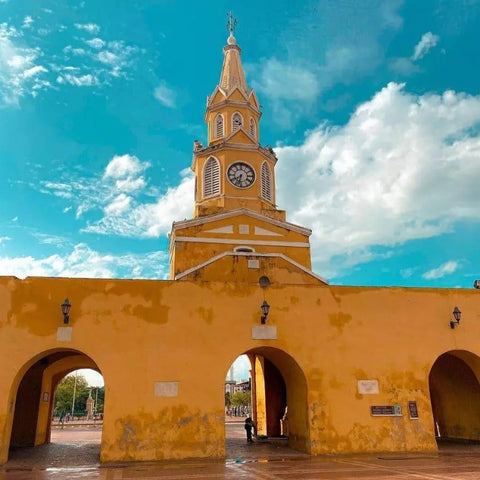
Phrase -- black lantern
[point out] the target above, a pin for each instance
(66, 306)
(265, 309)
(457, 314)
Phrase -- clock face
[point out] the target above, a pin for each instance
(241, 175)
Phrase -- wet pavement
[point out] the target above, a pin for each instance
(74, 454)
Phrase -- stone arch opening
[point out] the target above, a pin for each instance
(455, 396)
(32, 395)
(278, 397)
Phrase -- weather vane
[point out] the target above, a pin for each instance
(232, 23)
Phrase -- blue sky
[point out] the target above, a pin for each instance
(373, 108)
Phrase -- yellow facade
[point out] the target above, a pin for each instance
(142, 333)
(328, 353)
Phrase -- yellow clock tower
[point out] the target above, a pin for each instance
(237, 232)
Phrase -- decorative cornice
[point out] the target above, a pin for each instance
(238, 212)
(266, 152)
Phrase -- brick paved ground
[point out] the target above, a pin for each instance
(260, 461)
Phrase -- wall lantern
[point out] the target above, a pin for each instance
(66, 306)
(456, 315)
(265, 309)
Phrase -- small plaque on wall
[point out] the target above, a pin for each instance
(413, 410)
(367, 387)
(64, 334)
(264, 332)
(166, 389)
(386, 411)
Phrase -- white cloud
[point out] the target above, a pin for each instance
(166, 96)
(426, 43)
(82, 261)
(119, 205)
(87, 80)
(403, 66)
(124, 166)
(96, 43)
(403, 167)
(48, 239)
(27, 22)
(92, 28)
(4, 239)
(22, 74)
(281, 80)
(441, 271)
(151, 219)
(34, 71)
(19, 74)
(107, 57)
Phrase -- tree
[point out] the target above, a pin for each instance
(64, 395)
(98, 394)
(241, 399)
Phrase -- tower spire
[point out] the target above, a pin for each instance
(232, 71)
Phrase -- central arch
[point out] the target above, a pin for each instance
(279, 396)
(455, 396)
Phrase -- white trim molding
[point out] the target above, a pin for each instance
(250, 255)
(241, 242)
(235, 213)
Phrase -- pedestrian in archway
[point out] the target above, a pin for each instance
(248, 428)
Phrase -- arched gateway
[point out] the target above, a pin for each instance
(279, 396)
(455, 395)
(32, 395)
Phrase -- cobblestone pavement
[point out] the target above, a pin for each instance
(260, 461)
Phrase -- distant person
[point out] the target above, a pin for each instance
(248, 428)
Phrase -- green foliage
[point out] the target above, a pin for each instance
(64, 396)
(241, 399)
(228, 400)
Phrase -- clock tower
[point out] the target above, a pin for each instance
(235, 217)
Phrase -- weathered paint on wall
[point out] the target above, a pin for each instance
(142, 332)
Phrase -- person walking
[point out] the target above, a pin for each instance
(248, 428)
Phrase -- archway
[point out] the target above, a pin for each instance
(279, 399)
(455, 396)
(33, 397)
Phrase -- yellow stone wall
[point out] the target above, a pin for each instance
(328, 337)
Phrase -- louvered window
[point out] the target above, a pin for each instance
(236, 121)
(266, 182)
(219, 126)
(211, 178)
(252, 127)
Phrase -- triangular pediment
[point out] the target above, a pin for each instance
(237, 94)
(252, 98)
(241, 136)
(216, 97)
(248, 267)
(240, 217)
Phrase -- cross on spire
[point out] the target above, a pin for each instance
(232, 23)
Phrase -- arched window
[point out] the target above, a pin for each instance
(237, 121)
(266, 182)
(211, 178)
(252, 127)
(243, 249)
(219, 126)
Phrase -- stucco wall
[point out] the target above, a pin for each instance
(139, 333)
